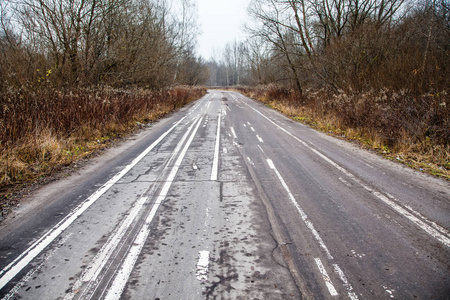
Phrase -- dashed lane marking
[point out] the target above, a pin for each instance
(233, 132)
(215, 166)
(325, 277)
(351, 294)
(202, 266)
(305, 219)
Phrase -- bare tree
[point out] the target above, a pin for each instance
(119, 42)
(274, 26)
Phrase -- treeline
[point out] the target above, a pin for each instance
(67, 43)
(349, 45)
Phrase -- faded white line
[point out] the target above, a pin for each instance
(427, 228)
(325, 277)
(443, 238)
(198, 104)
(351, 294)
(207, 105)
(202, 266)
(389, 291)
(344, 181)
(433, 224)
(12, 269)
(262, 150)
(305, 219)
(259, 139)
(123, 274)
(215, 166)
(234, 97)
(98, 263)
(233, 132)
(23, 281)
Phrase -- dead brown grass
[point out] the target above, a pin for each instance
(46, 130)
(411, 129)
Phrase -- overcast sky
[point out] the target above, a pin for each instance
(220, 21)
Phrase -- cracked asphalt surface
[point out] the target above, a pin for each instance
(228, 199)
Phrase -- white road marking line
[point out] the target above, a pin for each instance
(98, 263)
(207, 218)
(215, 166)
(345, 182)
(228, 108)
(11, 270)
(207, 105)
(427, 228)
(202, 266)
(308, 223)
(100, 260)
(352, 295)
(325, 277)
(245, 125)
(361, 161)
(198, 104)
(253, 129)
(262, 150)
(433, 224)
(249, 124)
(356, 254)
(35, 269)
(389, 291)
(259, 139)
(124, 273)
(232, 96)
(443, 238)
(250, 161)
(233, 132)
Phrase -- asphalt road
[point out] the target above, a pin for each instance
(228, 199)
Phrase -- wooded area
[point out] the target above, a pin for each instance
(349, 45)
(65, 43)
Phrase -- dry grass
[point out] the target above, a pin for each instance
(46, 130)
(414, 130)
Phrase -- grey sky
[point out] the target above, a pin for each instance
(220, 21)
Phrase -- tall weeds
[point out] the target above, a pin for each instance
(42, 130)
